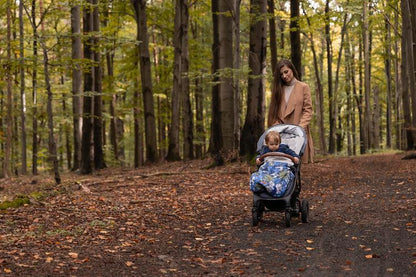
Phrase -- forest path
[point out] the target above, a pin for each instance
(178, 219)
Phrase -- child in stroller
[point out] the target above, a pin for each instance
(276, 184)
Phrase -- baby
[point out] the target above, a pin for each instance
(273, 144)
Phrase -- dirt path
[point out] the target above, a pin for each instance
(187, 221)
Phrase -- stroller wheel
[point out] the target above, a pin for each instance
(257, 213)
(305, 211)
(287, 218)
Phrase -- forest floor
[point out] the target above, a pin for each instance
(181, 219)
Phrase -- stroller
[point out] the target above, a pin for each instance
(289, 203)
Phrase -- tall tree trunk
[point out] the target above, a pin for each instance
(87, 124)
(187, 115)
(51, 139)
(76, 83)
(226, 65)
(295, 44)
(216, 141)
(367, 76)
(319, 97)
(254, 122)
(339, 136)
(9, 99)
(411, 6)
(22, 90)
(146, 79)
(272, 32)
(387, 66)
(237, 75)
(34, 92)
(332, 117)
(407, 59)
(99, 162)
(173, 150)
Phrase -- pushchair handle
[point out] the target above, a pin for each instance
(262, 157)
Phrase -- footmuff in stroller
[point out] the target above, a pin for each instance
(276, 184)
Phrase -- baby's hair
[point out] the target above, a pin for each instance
(272, 136)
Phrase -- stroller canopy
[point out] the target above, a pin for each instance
(292, 135)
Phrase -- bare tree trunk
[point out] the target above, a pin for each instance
(187, 115)
(146, 79)
(237, 75)
(173, 150)
(9, 99)
(99, 162)
(22, 90)
(216, 141)
(387, 65)
(332, 117)
(226, 64)
(411, 6)
(87, 124)
(34, 92)
(319, 97)
(295, 45)
(52, 144)
(367, 77)
(76, 83)
(273, 38)
(254, 122)
(407, 74)
(338, 132)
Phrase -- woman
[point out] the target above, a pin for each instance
(291, 102)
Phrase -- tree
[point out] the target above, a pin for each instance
(173, 150)
(226, 10)
(22, 89)
(9, 98)
(139, 7)
(295, 45)
(98, 137)
(87, 124)
(332, 118)
(76, 82)
(254, 121)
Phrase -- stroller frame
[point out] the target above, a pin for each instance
(289, 203)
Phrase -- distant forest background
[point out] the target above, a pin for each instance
(88, 84)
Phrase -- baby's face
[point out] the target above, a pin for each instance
(273, 145)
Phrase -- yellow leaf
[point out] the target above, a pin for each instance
(49, 259)
(73, 255)
(128, 263)
(369, 256)
(309, 241)
(7, 270)
(309, 248)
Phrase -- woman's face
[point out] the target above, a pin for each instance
(286, 74)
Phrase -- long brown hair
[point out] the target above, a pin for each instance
(277, 91)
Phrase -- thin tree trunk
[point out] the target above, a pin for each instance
(99, 162)
(387, 65)
(319, 97)
(367, 77)
(216, 142)
(22, 90)
(87, 124)
(407, 74)
(295, 44)
(273, 38)
(332, 118)
(76, 83)
(237, 75)
(9, 99)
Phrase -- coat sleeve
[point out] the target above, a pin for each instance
(307, 107)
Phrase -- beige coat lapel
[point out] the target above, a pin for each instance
(291, 103)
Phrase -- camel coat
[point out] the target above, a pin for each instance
(299, 111)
